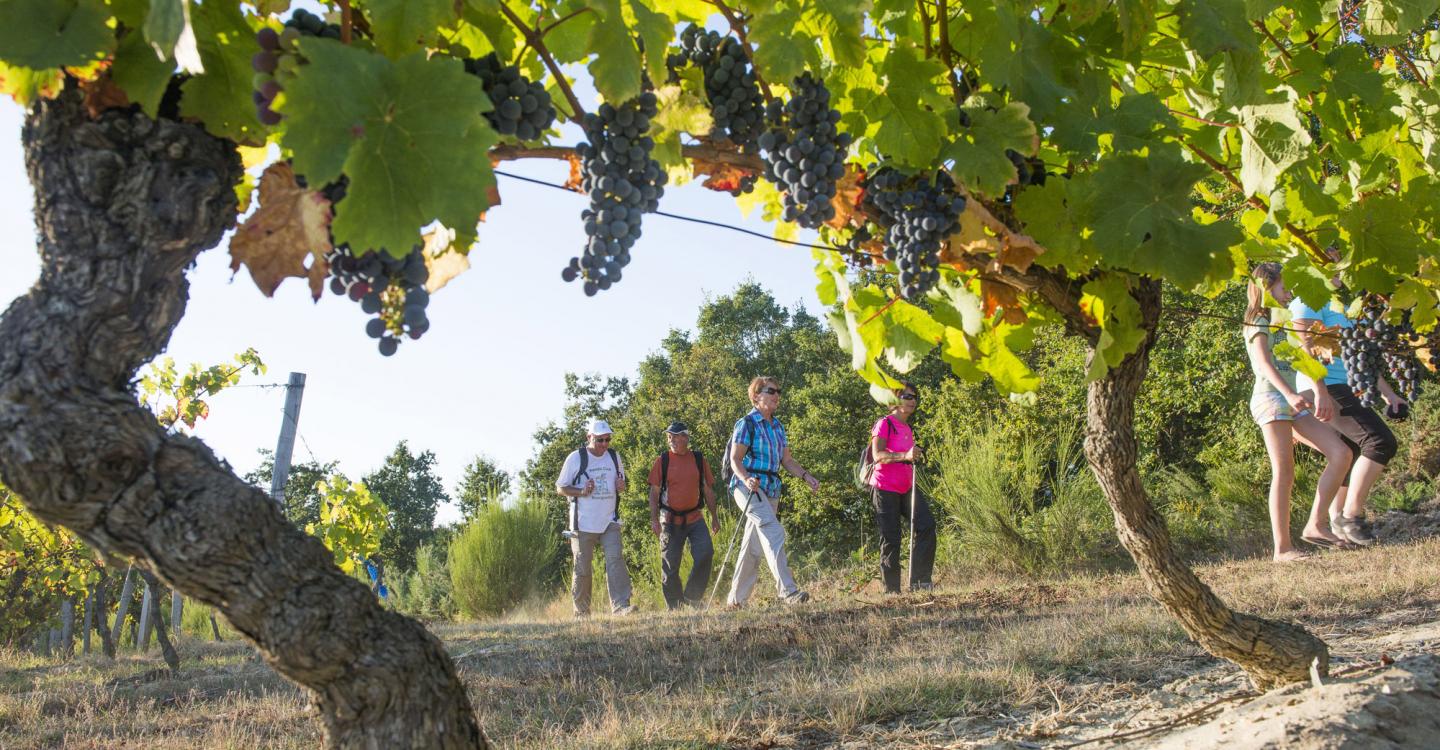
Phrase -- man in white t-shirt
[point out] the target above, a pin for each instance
(593, 479)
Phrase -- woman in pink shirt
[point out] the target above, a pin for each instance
(892, 443)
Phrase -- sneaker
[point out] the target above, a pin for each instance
(926, 587)
(628, 609)
(1355, 530)
(799, 597)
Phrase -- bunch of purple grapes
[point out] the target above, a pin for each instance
(277, 57)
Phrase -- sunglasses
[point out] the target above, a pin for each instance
(770, 391)
(601, 440)
(909, 397)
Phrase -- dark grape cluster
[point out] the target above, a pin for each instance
(804, 151)
(1377, 347)
(918, 214)
(623, 183)
(392, 289)
(277, 57)
(1028, 170)
(730, 85)
(857, 254)
(522, 107)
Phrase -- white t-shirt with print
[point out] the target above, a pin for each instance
(596, 511)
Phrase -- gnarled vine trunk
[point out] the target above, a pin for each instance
(1272, 653)
(123, 205)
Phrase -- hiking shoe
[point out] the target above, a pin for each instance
(628, 609)
(919, 587)
(799, 597)
(1356, 530)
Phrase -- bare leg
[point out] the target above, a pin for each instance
(1280, 445)
(1362, 480)
(1318, 435)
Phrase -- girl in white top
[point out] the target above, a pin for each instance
(1279, 408)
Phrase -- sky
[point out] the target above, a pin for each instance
(490, 370)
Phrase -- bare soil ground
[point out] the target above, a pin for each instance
(1086, 661)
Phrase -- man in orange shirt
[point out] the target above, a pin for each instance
(678, 479)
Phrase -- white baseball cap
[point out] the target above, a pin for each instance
(599, 427)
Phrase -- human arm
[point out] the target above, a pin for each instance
(569, 469)
(879, 448)
(1258, 347)
(794, 467)
(655, 509)
(1391, 396)
(737, 467)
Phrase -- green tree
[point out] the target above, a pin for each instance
(1101, 149)
(411, 492)
(302, 497)
(482, 481)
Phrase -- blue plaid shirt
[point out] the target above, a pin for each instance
(766, 443)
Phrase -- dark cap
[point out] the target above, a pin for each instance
(677, 428)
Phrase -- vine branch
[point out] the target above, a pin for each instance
(1198, 118)
(737, 25)
(1268, 35)
(701, 151)
(925, 20)
(1316, 252)
(346, 21)
(944, 17)
(1410, 64)
(533, 38)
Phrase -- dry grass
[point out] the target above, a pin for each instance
(883, 671)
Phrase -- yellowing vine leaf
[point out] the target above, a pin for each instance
(848, 194)
(1325, 340)
(290, 224)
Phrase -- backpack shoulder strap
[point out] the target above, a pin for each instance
(584, 464)
(664, 474)
(620, 474)
(699, 475)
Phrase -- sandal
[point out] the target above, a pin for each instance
(1324, 543)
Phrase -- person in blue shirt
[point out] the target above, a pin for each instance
(1283, 413)
(1369, 438)
(758, 450)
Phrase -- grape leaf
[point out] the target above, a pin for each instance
(1108, 303)
(403, 26)
(1391, 21)
(979, 150)
(657, 31)
(25, 85)
(409, 133)
(290, 225)
(677, 111)
(1272, 139)
(1306, 281)
(841, 23)
(443, 258)
(1140, 212)
(41, 34)
(1382, 244)
(1010, 373)
(616, 67)
(221, 96)
(164, 23)
(1215, 26)
(1012, 50)
(779, 48)
(142, 75)
(906, 126)
(1054, 215)
(910, 335)
(1302, 361)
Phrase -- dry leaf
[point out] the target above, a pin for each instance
(722, 177)
(577, 174)
(1020, 251)
(1325, 341)
(443, 259)
(101, 94)
(848, 194)
(971, 238)
(1426, 355)
(290, 224)
(1002, 297)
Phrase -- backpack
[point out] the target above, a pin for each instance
(584, 467)
(727, 472)
(865, 467)
(699, 481)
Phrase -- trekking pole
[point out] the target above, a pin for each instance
(720, 576)
(914, 482)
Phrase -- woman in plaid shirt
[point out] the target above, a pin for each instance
(758, 451)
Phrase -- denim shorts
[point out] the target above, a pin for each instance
(1271, 406)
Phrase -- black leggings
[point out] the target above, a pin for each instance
(1365, 431)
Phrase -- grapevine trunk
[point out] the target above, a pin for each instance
(123, 205)
(1272, 653)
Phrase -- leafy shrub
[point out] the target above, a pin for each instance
(425, 592)
(1033, 508)
(495, 562)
